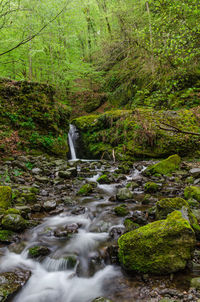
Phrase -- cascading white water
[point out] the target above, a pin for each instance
(72, 137)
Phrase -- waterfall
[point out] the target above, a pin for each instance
(72, 137)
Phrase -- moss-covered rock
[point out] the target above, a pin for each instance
(121, 210)
(102, 299)
(130, 225)
(29, 197)
(11, 283)
(85, 189)
(6, 236)
(124, 194)
(104, 179)
(192, 192)
(151, 187)
(5, 197)
(129, 134)
(165, 166)
(195, 282)
(160, 247)
(168, 205)
(14, 222)
(37, 251)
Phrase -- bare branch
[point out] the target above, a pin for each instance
(27, 39)
(177, 130)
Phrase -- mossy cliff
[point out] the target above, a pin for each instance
(31, 118)
(138, 134)
(160, 247)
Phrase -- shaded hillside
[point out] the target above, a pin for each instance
(31, 118)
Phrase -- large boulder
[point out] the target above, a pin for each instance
(5, 197)
(160, 247)
(165, 166)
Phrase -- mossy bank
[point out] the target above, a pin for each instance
(31, 118)
(129, 134)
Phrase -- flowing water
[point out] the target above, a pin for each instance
(72, 138)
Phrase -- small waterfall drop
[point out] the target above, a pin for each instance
(72, 137)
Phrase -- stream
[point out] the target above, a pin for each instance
(79, 240)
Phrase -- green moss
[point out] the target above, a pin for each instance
(14, 222)
(165, 166)
(38, 251)
(85, 189)
(29, 197)
(168, 205)
(192, 192)
(121, 210)
(5, 197)
(151, 187)
(12, 211)
(160, 247)
(130, 225)
(6, 236)
(104, 179)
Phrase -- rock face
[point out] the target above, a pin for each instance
(160, 247)
(165, 166)
(5, 197)
(123, 131)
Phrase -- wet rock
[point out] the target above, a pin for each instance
(42, 179)
(192, 192)
(49, 205)
(121, 210)
(29, 197)
(139, 217)
(73, 171)
(10, 283)
(168, 205)
(116, 232)
(5, 197)
(36, 171)
(124, 194)
(44, 193)
(7, 237)
(65, 174)
(66, 232)
(195, 172)
(78, 211)
(165, 166)
(36, 208)
(85, 189)
(38, 251)
(130, 225)
(14, 222)
(154, 248)
(151, 187)
(101, 299)
(104, 179)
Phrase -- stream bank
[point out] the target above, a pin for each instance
(73, 214)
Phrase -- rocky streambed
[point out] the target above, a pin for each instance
(61, 222)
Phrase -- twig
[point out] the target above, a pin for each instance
(177, 130)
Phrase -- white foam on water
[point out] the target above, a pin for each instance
(64, 286)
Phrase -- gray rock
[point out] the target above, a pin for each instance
(124, 194)
(49, 205)
(195, 172)
(65, 174)
(36, 171)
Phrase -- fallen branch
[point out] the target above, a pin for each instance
(176, 129)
